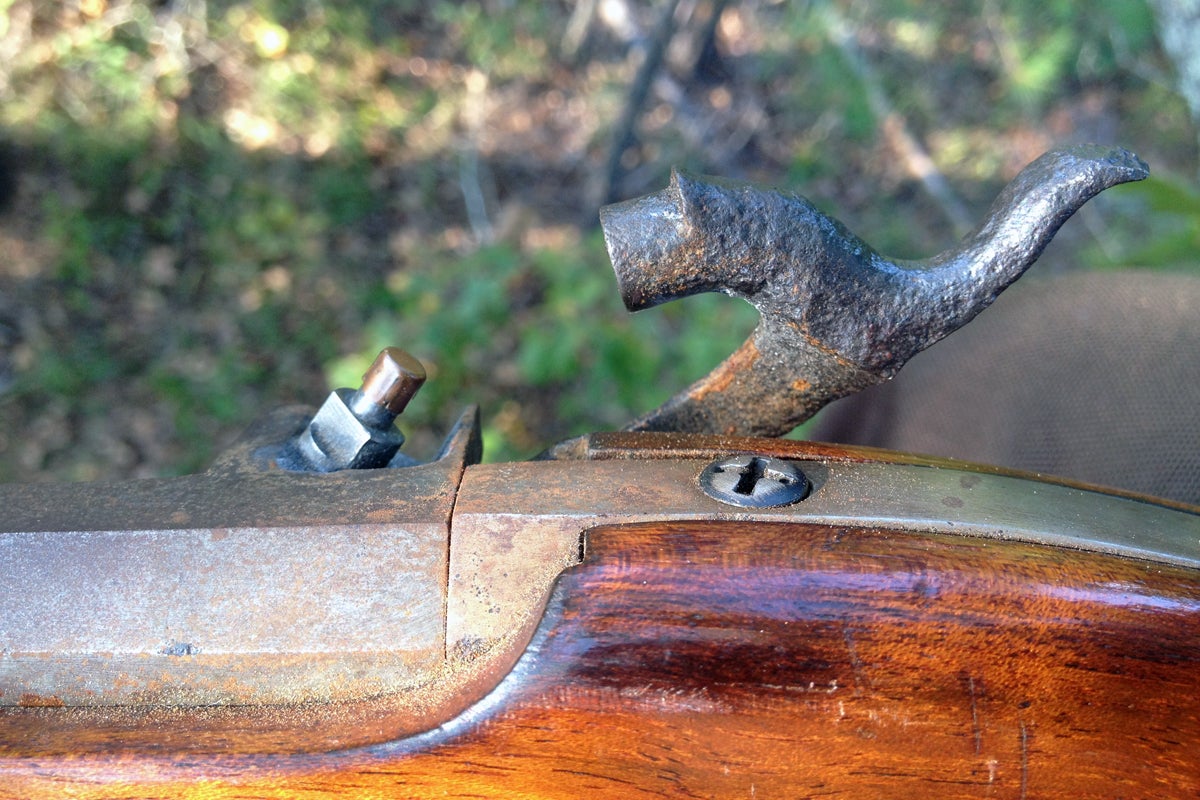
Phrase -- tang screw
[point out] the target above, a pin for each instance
(752, 481)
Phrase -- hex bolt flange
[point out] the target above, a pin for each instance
(752, 481)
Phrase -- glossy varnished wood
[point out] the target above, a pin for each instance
(785, 660)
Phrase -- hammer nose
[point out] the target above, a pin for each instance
(645, 238)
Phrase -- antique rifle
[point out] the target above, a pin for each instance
(684, 608)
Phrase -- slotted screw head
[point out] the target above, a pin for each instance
(752, 481)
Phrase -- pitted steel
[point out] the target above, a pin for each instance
(836, 315)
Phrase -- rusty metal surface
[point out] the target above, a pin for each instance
(513, 529)
(243, 584)
(516, 526)
(836, 315)
(653, 445)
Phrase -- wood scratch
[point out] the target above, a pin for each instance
(856, 663)
(978, 734)
(1024, 761)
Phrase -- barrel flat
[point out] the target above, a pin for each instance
(785, 660)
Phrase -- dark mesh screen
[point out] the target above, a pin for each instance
(1093, 376)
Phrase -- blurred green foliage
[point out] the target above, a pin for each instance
(1171, 236)
(225, 206)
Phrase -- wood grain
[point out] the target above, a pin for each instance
(784, 660)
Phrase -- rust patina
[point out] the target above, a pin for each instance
(836, 315)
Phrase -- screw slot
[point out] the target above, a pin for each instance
(751, 481)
